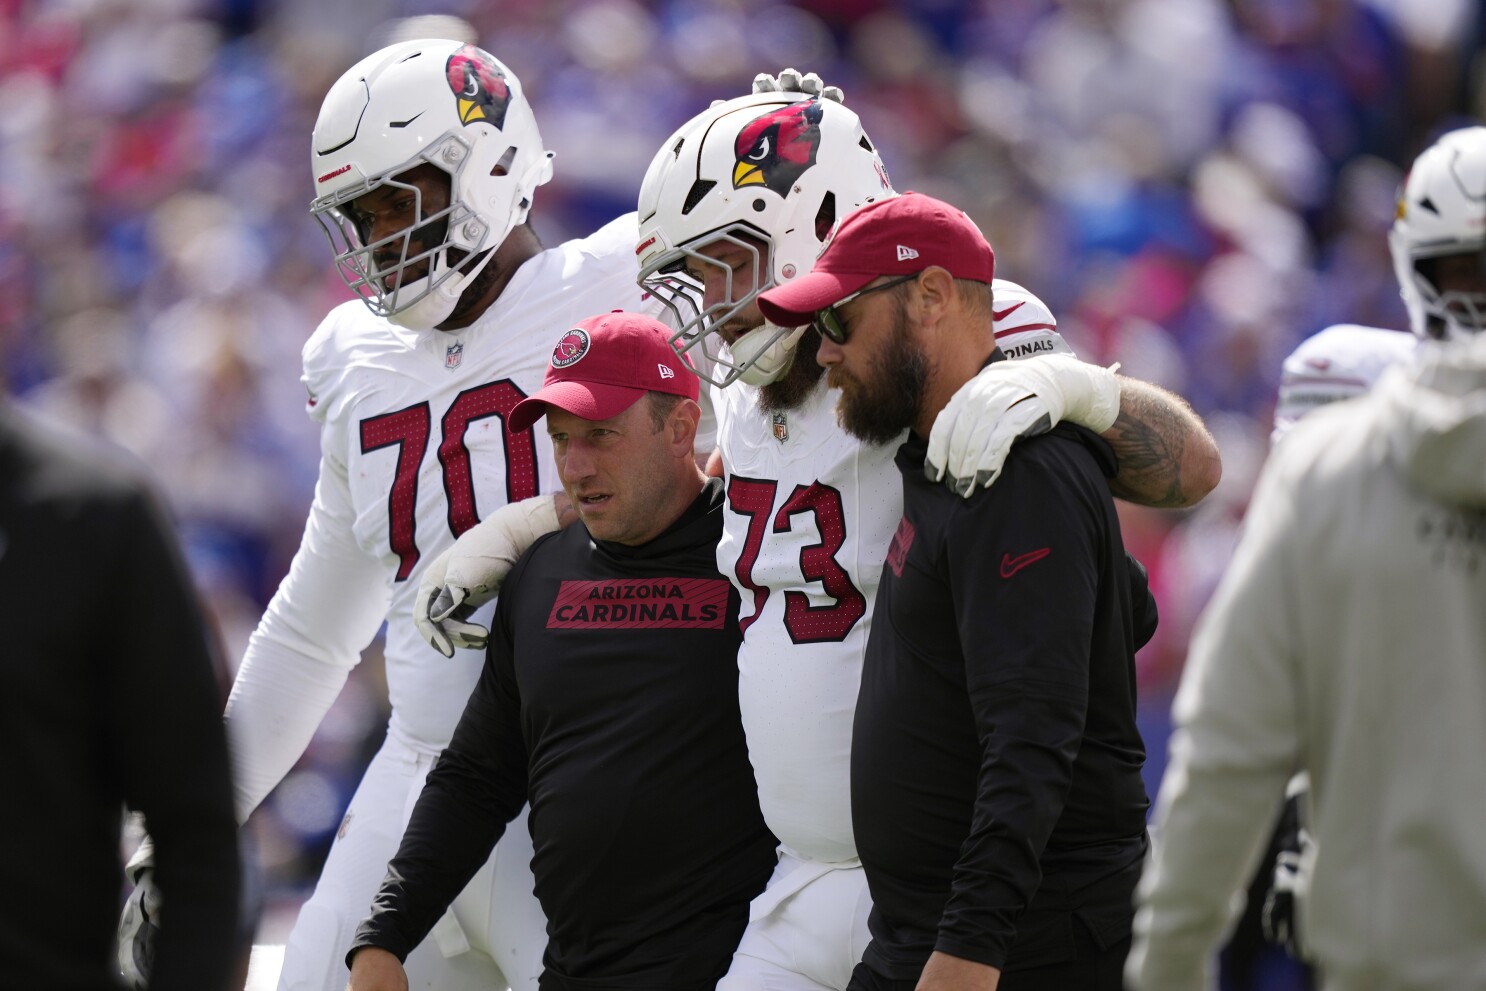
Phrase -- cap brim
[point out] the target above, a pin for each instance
(589, 400)
(795, 303)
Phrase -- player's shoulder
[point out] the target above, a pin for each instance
(611, 248)
(1023, 323)
(340, 344)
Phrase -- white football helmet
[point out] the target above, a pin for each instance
(771, 172)
(1340, 362)
(1442, 211)
(443, 103)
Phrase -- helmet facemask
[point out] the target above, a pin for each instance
(1451, 313)
(761, 355)
(415, 271)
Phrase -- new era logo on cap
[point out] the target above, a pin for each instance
(906, 253)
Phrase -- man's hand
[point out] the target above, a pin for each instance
(375, 969)
(1010, 400)
(139, 926)
(791, 81)
(946, 973)
(469, 574)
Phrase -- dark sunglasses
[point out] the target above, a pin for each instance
(829, 321)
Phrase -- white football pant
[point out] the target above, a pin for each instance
(492, 937)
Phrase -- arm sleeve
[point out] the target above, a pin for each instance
(477, 787)
(1235, 745)
(1025, 632)
(325, 612)
(172, 751)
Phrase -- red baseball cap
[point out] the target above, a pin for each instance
(901, 235)
(602, 367)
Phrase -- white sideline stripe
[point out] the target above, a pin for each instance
(263, 968)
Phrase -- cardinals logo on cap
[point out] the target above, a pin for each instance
(774, 150)
(572, 347)
(479, 85)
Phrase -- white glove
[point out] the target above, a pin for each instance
(139, 926)
(467, 575)
(1010, 400)
(791, 81)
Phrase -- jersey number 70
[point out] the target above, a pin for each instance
(408, 430)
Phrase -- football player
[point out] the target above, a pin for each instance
(426, 158)
(740, 199)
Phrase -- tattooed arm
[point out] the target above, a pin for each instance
(1167, 457)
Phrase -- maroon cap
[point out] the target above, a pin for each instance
(901, 235)
(602, 367)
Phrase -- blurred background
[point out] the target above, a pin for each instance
(1193, 185)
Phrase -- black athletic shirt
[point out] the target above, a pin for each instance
(996, 792)
(609, 698)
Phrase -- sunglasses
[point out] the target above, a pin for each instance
(829, 322)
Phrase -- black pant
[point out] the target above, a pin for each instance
(1093, 970)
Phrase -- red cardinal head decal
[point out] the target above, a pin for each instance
(773, 150)
(479, 85)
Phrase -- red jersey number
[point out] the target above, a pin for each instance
(754, 498)
(408, 430)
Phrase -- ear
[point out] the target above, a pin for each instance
(935, 296)
(681, 427)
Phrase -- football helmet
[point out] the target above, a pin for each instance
(772, 173)
(441, 103)
(1442, 211)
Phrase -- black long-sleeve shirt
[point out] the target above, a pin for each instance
(609, 698)
(996, 791)
(108, 696)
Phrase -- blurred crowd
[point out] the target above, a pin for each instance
(1193, 186)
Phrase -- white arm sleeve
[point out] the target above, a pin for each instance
(325, 612)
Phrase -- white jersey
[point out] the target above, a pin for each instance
(414, 451)
(811, 511)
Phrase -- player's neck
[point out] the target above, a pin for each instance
(519, 247)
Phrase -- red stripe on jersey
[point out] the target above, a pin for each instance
(641, 604)
(1025, 328)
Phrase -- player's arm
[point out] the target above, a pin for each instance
(326, 610)
(1166, 455)
(476, 788)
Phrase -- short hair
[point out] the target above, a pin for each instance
(661, 406)
(977, 296)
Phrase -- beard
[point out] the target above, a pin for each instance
(792, 388)
(878, 409)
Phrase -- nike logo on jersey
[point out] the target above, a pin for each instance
(1011, 565)
(1003, 314)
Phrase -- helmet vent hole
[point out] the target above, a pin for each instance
(759, 206)
(503, 167)
(1428, 204)
(825, 217)
(676, 148)
(865, 143)
(699, 189)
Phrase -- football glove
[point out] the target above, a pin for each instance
(791, 81)
(1010, 400)
(467, 575)
(139, 926)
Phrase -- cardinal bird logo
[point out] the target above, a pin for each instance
(572, 347)
(775, 149)
(479, 85)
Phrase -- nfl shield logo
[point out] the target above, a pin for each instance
(781, 427)
(454, 354)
